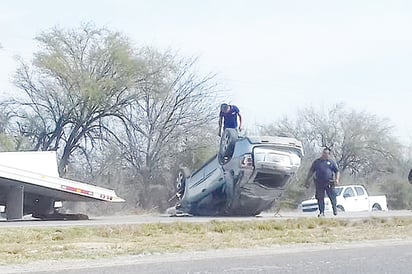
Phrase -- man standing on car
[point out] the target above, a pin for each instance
(326, 176)
(229, 118)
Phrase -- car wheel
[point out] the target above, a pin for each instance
(340, 208)
(376, 207)
(227, 144)
(181, 182)
(410, 176)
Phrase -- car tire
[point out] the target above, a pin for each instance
(227, 145)
(340, 208)
(376, 207)
(410, 176)
(181, 179)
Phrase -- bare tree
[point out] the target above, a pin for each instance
(78, 81)
(361, 142)
(89, 87)
(174, 107)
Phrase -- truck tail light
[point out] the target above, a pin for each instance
(247, 161)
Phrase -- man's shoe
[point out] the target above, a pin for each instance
(335, 211)
(321, 215)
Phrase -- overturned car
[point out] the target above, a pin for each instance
(246, 177)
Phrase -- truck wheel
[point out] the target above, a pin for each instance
(227, 144)
(181, 182)
(376, 207)
(340, 208)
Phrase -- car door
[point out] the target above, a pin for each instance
(362, 202)
(349, 199)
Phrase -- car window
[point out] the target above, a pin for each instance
(359, 191)
(348, 192)
(338, 190)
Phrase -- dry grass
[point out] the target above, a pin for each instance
(21, 245)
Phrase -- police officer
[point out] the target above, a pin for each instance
(326, 176)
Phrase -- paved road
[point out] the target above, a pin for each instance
(369, 257)
(141, 219)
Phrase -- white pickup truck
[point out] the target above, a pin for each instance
(349, 198)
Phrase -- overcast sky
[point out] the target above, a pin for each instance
(275, 57)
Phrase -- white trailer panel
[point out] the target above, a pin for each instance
(30, 183)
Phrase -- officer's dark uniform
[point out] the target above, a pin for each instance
(324, 170)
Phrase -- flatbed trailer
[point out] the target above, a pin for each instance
(30, 184)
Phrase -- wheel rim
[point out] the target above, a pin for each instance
(180, 180)
(225, 143)
(376, 208)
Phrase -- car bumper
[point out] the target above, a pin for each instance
(312, 206)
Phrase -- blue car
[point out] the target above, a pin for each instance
(247, 176)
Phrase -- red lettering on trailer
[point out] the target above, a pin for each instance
(77, 190)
